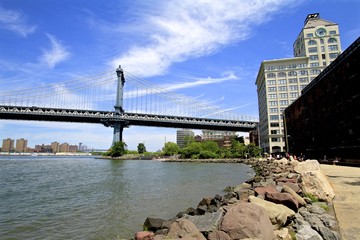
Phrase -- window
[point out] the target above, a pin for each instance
(271, 82)
(294, 95)
(315, 71)
(322, 49)
(275, 139)
(321, 41)
(282, 81)
(292, 66)
(281, 74)
(273, 110)
(292, 73)
(303, 65)
(323, 56)
(312, 42)
(332, 40)
(284, 102)
(273, 103)
(309, 35)
(282, 88)
(333, 47)
(271, 89)
(293, 88)
(314, 64)
(274, 117)
(302, 87)
(293, 80)
(270, 75)
(281, 67)
(332, 32)
(313, 57)
(313, 49)
(283, 95)
(303, 72)
(304, 80)
(272, 96)
(274, 124)
(275, 132)
(333, 55)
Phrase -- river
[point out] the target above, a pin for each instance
(89, 198)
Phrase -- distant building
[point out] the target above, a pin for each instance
(73, 148)
(55, 147)
(181, 136)
(279, 82)
(21, 145)
(43, 148)
(213, 135)
(64, 147)
(8, 145)
(254, 137)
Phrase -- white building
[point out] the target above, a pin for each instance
(279, 82)
(181, 135)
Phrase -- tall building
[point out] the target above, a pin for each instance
(181, 135)
(21, 145)
(279, 82)
(64, 147)
(216, 135)
(55, 147)
(8, 145)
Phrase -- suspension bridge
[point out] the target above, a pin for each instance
(139, 103)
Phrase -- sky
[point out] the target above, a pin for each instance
(209, 50)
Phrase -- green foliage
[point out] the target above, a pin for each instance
(188, 140)
(237, 149)
(205, 154)
(170, 149)
(141, 148)
(253, 150)
(311, 197)
(191, 151)
(117, 150)
(325, 207)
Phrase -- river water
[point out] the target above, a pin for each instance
(89, 198)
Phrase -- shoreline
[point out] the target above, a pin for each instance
(273, 175)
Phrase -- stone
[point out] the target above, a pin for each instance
(313, 180)
(278, 214)
(282, 234)
(297, 197)
(307, 233)
(144, 235)
(247, 220)
(283, 161)
(153, 224)
(219, 235)
(294, 186)
(185, 229)
(285, 199)
(312, 219)
(262, 191)
(241, 186)
(286, 180)
(207, 222)
(327, 234)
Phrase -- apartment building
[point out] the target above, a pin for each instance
(279, 82)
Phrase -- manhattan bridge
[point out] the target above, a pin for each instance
(106, 99)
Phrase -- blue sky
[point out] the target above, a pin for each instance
(204, 49)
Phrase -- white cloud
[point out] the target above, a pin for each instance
(187, 29)
(16, 22)
(57, 53)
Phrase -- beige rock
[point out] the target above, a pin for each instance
(278, 213)
(294, 194)
(283, 234)
(184, 229)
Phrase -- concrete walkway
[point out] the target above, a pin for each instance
(346, 183)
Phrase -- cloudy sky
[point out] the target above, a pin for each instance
(208, 50)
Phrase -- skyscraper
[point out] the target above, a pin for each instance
(8, 145)
(21, 145)
(181, 135)
(279, 82)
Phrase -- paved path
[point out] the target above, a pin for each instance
(346, 183)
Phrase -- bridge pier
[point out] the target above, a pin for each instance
(119, 126)
(118, 132)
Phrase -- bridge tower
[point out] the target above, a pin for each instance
(119, 126)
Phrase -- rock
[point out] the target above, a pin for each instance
(247, 220)
(316, 209)
(285, 199)
(184, 228)
(287, 180)
(278, 214)
(297, 197)
(283, 161)
(144, 235)
(329, 221)
(207, 222)
(312, 219)
(307, 233)
(153, 224)
(327, 234)
(282, 234)
(294, 186)
(313, 181)
(219, 235)
(262, 191)
(241, 186)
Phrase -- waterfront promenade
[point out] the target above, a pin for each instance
(346, 183)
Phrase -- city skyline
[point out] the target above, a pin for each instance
(209, 51)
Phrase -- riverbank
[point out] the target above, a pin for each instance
(283, 201)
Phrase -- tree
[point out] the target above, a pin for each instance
(170, 149)
(237, 149)
(253, 150)
(188, 140)
(192, 151)
(141, 148)
(118, 149)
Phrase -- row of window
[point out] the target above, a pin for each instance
(330, 40)
(330, 47)
(332, 32)
(282, 67)
(293, 73)
(316, 57)
(283, 88)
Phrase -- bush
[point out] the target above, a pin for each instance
(207, 154)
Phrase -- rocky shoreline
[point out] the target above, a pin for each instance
(285, 200)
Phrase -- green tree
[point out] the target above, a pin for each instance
(118, 149)
(192, 151)
(170, 149)
(141, 148)
(188, 140)
(237, 149)
(253, 150)
(210, 146)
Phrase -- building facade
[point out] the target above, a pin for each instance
(8, 145)
(181, 136)
(279, 82)
(21, 145)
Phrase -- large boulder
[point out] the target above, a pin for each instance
(144, 235)
(219, 235)
(278, 213)
(313, 180)
(307, 233)
(247, 220)
(185, 229)
(207, 222)
(283, 198)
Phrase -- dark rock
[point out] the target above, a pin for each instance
(327, 234)
(291, 180)
(153, 224)
(207, 222)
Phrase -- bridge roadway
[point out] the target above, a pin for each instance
(108, 118)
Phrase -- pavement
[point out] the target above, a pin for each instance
(346, 184)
